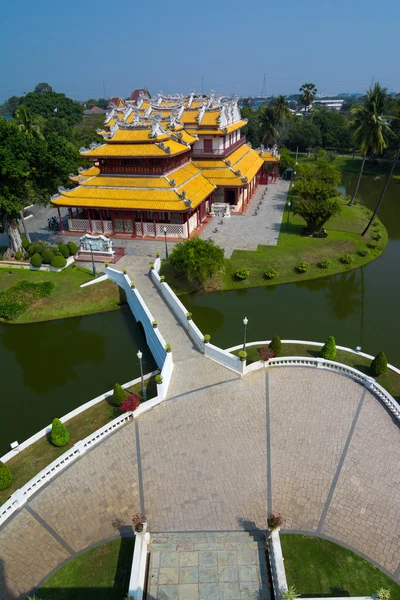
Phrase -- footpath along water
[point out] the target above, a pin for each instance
(50, 368)
(360, 307)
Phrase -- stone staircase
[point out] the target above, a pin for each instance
(208, 566)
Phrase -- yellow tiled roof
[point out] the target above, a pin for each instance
(137, 150)
(237, 154)
(267, 157)
(210, 118)
(135, 135)
(248, 165)
(189, 116)
(160, 196)
(186, 137)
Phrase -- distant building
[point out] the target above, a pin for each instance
(95, 110)
(332, 104)
(136, 94)
(116, 103)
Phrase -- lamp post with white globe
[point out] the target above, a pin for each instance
(245, 321)
(140, 356)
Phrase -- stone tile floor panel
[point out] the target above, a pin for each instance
(247, 232)
(199, 477)
(365, 508)
(207, 566)
(307, 439)
(86, 503)
(27, 554)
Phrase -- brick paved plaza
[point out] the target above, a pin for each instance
(309, 443)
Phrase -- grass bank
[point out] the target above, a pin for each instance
(343, 238)
(101, 573)
(390, 380)
(36, 457)
(68, 299)
(318, 567)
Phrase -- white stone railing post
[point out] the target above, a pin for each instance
(138, 570)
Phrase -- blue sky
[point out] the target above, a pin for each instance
(170, 46)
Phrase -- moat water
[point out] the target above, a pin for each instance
(48, 369)
(360, 307)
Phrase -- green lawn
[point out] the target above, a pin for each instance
(390, 380)
(98, 574)
(347, 163)
(68, 299)
(36, 457)
(315, 566)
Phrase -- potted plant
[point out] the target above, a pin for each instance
(124, 271)
(162, 278)
(138, 521)
(207, 338)
(168, 347)
(155, 324)
(242, 355)
(189, 316)
(158, 379)
(275, 520)
(152, 266)
(106, 263)
(132, 284)
(157, 255)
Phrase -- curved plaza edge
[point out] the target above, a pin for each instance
(219, 454)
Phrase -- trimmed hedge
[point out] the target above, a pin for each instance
(379, 365)
(5, 476)
(119, 395)
(47, 256)
(25, 242)
(63, 248)
(36, 260)
(19, 255)
(276, 345)
(58, 262)
(59, 434)
(31, 249)
(72, 247)
(328, 351)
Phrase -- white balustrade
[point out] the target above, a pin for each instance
(78, 224)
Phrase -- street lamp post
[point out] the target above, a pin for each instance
(166, 245)
(289, 204)
(144, 393)
(245, 321)
(93, 265)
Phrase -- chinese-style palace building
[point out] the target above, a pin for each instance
(162, 164)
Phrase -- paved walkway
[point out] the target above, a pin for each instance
(309, 443)
(247, 232)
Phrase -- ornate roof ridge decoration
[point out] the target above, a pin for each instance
(61, 189)
(163, 147)
(188, 202)
(210, 98)
(171, 182)
(156, 128)
(190, 98)
(201, 112)
(109, 115)
(55, 196)
(244, 179)
(128, 113)
(174, 120)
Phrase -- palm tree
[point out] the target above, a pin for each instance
(28, 123)
(370, 127)
(268, 125)
(308, 93)
(385, 187)
(281, 109)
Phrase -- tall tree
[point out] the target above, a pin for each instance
(281, 110)
(268, 124)
(43, 87)
(308, 93)
(370, 127)
(28, 123)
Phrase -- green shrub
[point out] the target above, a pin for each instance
(59, 434)
(63, 248)
(47, 256)
(379, 365)
(162, 278)
(133, 285)
(157, 255)
(242, 274)
(45, 288)
(168, 347)
(207, 338)
(58, 253)
(347, 259)
(36, 260)
(328, 351)
(31, 249)
(290, 594)
(38, 248)
(25, 242)
(158, 379)
(58, 262)
(383, 594)
(302, 267)
(152, 266)
(124, 271)
(372, 245)
(242, 355)
(72, 247)
(11, 309)
(276, 345)
(325, 264)
(377, 237)
(19, 255)
(119, 395)
(364, 252)
(270, 273)
(5, 476)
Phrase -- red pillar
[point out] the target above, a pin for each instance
(60, 219)
(90, 222)
(155, 226)
(101, 219)
(141, 222)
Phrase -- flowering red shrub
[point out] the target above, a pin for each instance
(265, 353)
(275, 521)
(138, 521)
(130, 403)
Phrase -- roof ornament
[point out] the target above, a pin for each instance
(201, 112)
(61, 189)
(182, 194)
(274, 150)
(113, 130)
(93, 146)
(80, 169)
(109, 115)
(173, 119)
(160, 97)
(188, 202)
(238, 173)
(190, 100)
(128, 113)
(244, 179)
(163, 147)
(228, 162)
(211, 99)
(83, 150)
(148, 111)
(156, 128)
(172, 182)
(54, 196)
